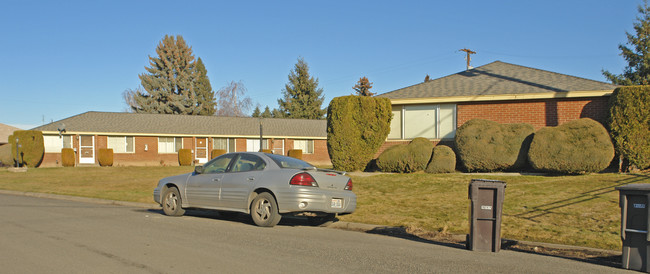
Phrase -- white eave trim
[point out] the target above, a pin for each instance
(183, 135)
(503, 97)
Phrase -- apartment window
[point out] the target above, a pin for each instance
(307, 146)
(169, 144)
(54, 143)
(254, 144)
(227, 144)
(121, 144)
(427, 121)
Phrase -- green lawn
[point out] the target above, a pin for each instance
(574, 210)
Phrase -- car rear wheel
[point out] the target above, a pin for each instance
(264, 210)
(172, 202)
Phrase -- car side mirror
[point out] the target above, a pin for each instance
(198, 169)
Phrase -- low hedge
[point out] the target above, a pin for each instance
(67, 157)
(216, 153)
(185, 157)
(406, 158)
(443, 160)
(295, 153)
(105, 156)
(484, 145)
(574, 147)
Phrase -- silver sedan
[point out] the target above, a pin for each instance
(266, 186)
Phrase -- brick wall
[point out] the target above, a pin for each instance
(539, 113)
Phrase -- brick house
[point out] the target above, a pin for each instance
(498, 91)
(5, 132)
(154, 139)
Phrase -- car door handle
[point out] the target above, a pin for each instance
(216, 180)
(251, 178)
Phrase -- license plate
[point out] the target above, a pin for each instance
(337, 203)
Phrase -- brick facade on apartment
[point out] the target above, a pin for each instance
(539, 113)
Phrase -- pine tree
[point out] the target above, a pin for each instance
(257, 112)
(302, 97)
(637, 71)
(266, 113)
(169, 83)
(204, 91)
(363, 87)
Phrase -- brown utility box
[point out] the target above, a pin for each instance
(634, 200)
(485, 214)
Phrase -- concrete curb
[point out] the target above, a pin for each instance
(338, 225)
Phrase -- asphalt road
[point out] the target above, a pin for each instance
(39, 235)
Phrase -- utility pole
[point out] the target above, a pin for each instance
(469, 58)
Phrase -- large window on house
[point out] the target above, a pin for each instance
(307, 146)
(169, 144)
(431, 121)
(54, 143)
(227, 144)
(121, 144)
(254, 144)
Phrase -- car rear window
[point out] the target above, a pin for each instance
(288, 162)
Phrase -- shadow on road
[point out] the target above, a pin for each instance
(243, 218)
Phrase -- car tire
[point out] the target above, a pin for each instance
(264, 210)
(171, 202)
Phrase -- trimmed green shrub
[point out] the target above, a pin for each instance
(295, 153)
(406, 158)
(484, 145)
(629, 123)
(31, 149)
(67, 157)
(185, 157)
(105, 156)
(443, 160)
(267, 151)
(217, 152)
(5, 156)
(574, 147)
(357, 126)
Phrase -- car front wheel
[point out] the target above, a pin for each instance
(264, 210)
(172, 202)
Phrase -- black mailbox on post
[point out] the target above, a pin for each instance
(634, 225)
(485, 214)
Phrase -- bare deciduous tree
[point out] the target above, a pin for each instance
(231, 100)
(129, 99)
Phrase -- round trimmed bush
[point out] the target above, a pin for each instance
(105, 156)
(484, 145)
(443, 160)
(406, 158)
(574, 147)
(185, 157)
(68, 157)
(217, 152)
(295, 153)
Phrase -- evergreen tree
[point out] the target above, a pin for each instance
(204, 92)
(169, 83)
(363, 87)
(276, 113)
(637, 71)
(302, 96)
(266, 113)
(257, 112)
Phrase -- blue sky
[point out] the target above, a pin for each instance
(62, 58)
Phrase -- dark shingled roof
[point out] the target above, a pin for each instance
(170, 124)
(498, 78)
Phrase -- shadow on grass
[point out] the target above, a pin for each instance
(547, 208)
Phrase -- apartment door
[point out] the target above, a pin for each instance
(86, 149)
(201, 150)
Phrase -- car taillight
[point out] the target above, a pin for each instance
(303, 179)
(348, 186)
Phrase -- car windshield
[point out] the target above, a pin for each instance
(288, 162)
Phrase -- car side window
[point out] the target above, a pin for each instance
(248, 162)
(218, 165)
